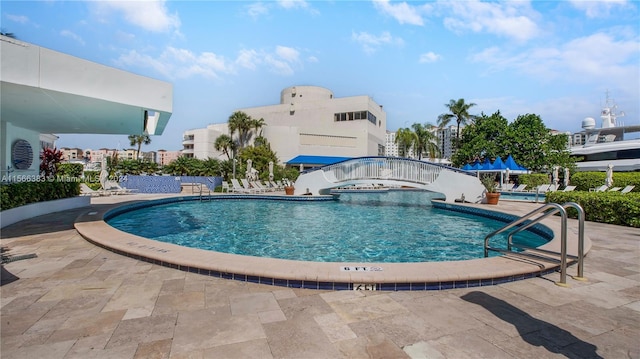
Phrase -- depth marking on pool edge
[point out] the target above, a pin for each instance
(360, 269)
(151, 248)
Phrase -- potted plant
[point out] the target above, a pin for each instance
(492, 189)
(288, 186)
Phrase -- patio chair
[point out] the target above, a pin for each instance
(87, 191)
(542, 188)
(257, 186)
(627, 189)
(508, 186)
(615, 189)
(276, 186)
(247, 186)
(519, 188)
(237, 187)
(225, 187)
(569, 188)
(599, 189)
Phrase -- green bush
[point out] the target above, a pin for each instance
(19, 194)
(586, 180)
(534, 179)
(70, 170)
(604, 207)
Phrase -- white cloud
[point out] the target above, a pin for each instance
(151, 15)
(249, 59)
(179, 63)
(18, 18)
(584, 60)
(370, 43)
(429, 57)
(601, 8)
(73, 36)
(402, 12)
(288, 54)
(512, 19)
(257, 9)
(297, 4)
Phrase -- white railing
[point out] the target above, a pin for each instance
(383, 168)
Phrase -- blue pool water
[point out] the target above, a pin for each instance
(522, 196)
(393, 226)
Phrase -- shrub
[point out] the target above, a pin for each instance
(604, 207)
(70, 170)
(19, 194)
(585, 180)
(534, 179)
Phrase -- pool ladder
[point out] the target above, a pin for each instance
(527, 221)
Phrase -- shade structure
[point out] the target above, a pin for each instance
(514, 167)
(476, 166)
(467, 167)
(486, 165)
(498, 164)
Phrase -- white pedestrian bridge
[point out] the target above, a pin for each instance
(453, 183)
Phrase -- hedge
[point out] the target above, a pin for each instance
(586, 180)
(21, 193)
(604, 207)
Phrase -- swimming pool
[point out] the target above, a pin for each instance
(522, 196)
(385, 227)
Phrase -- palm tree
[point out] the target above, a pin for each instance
(243, 124)
(425, 140)
(225, 144)
(258, 125)
(139, 140)
(405, 138)
(459, 111)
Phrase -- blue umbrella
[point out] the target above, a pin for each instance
(486, 166)
(498, 164)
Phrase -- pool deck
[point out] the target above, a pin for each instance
(78, 300)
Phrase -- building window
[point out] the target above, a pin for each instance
(355, 116)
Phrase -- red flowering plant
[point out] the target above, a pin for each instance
(49, 160)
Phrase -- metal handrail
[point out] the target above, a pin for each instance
(563, 233)
(581, 216)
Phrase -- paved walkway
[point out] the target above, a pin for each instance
(75, 300)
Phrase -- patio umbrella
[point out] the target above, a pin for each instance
(248, 173)
(566, 176)
(555, 179)
(301, 167)
(270, 170)
(609, 180)
(506, 174)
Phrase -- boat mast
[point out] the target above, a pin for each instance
(608, 114)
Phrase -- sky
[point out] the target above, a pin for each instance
(556, 59)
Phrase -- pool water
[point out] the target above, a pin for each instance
(391, 226)
(522, 196)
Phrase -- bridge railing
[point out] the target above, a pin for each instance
(383, 168)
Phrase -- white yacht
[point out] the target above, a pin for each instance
(612, 143)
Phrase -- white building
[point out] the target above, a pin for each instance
(200, 143)
(309, 120)
(391, 147)
(447, 140)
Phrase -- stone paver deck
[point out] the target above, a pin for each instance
(77, 300)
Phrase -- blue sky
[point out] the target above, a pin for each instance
(552, 58)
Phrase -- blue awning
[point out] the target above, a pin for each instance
(316, 160)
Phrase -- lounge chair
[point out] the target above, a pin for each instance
(258, 187)
(599, 189)
(508, 186)
(247, 186)
(225, 187)
(552, 188)
(569, 188)
(87, 191)
(627, 189)
(614, 189)
(543, 188)
(237, 187)
(519, 188)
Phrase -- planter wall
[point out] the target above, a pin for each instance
(14, 215)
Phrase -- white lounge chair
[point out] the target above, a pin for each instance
(541, 188)
(628, 189)
(519, 188)
(257, 186)
(237, 187)
(247, 186)
(87, 191)
(508, 186)
(599, 189)
(225, 187)
(569, 188)
(615, 189)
